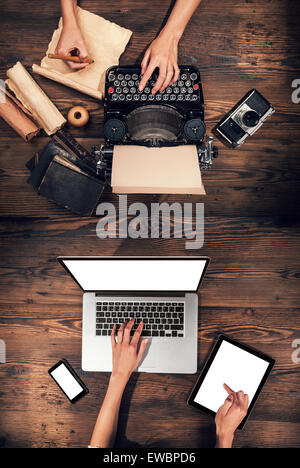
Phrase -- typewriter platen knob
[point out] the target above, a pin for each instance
(114, 130)
(194, 130)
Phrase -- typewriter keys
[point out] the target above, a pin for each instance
(174, 116)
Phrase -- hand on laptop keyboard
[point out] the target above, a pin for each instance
(126, 353)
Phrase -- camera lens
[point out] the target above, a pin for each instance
(250, 118)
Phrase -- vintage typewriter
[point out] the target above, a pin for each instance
(169, 118)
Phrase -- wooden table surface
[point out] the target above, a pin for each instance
(251, 291)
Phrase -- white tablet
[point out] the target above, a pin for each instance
(237, 365)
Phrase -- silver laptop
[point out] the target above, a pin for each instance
(160, 291)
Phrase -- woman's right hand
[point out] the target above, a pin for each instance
(71, 39)
(229, 416)
(126, 353)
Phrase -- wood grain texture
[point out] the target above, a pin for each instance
(251, 291)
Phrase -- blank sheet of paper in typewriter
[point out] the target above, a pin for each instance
(173, 170)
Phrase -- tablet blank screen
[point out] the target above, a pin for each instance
(239, 369)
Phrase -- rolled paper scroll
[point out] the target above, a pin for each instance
(34, 99)
(67, 81)
(16, 115)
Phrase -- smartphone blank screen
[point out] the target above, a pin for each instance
(238, 368)
(66, 381)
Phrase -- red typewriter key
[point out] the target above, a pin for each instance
(110, 90)
(196, 87)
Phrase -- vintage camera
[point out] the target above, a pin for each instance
(244, 119)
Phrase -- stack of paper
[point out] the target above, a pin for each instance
(172, 170)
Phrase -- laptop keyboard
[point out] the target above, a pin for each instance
(161, 319)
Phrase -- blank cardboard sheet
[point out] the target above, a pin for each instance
(172, 170)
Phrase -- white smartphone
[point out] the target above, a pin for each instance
(68, 381)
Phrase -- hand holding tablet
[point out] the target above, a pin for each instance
(231, 381)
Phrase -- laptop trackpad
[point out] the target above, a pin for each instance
(149, 358)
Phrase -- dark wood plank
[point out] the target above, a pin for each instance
(251, 291)
(261, 277)
(51, 337)
(257, 180)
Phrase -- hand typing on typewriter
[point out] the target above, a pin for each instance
(71, 38)
(163, 51)
(161, 54)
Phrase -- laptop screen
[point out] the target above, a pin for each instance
(137, 274)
